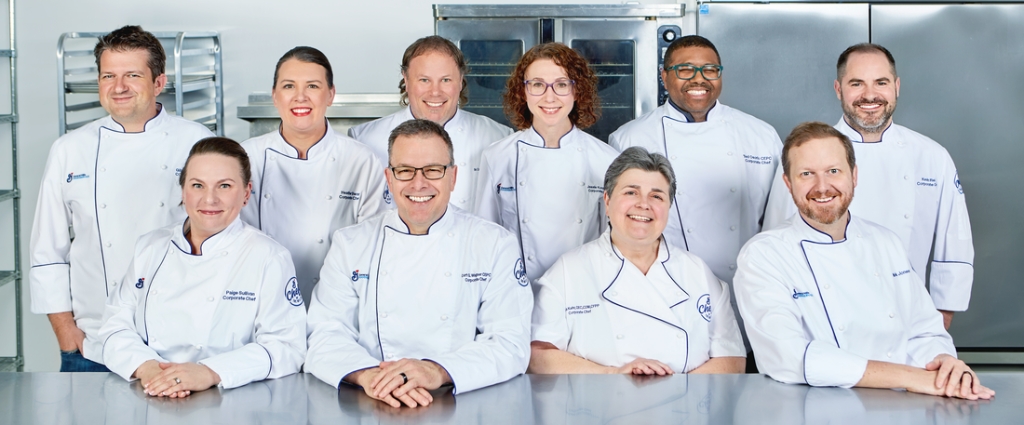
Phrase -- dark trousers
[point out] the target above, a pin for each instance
(73, 361)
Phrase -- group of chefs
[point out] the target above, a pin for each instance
(187, 261)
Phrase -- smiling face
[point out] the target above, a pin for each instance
(420, 202)
(550, 111)
(301, 96)
(696, 95)
(213, 193)
(868, 92)
(127, 89)
(821, 182)
(638, 207)
(433, 83)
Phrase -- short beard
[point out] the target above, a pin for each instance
(863, 127)
(809, 212)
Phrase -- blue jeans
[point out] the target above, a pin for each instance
(73, 361)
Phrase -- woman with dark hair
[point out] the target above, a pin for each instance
(309, 181)
(211, 301)
(544, 182)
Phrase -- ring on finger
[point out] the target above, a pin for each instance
(405, 379)
(177, 381)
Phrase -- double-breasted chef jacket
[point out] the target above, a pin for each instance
(101, 189)
(300, 202)
(816, 310)
(552, 199)
(470, 134)
(596, 304)
(908, 183)
(235, 308)
(457, 296)
(724, 169)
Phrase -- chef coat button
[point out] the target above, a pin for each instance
(447, 274)
(462, 201)
(732, 267)
(108, 244)
(842, 328)
(156, 292)
(383, 273)
(892, 315)
(391, 356)
(224, 254)
(103, 168)
(620, 336)
(876, 274)
(103, 205)
(444, 317)
(673, 157)
(320, 240)
(273, 158)
(526, 220)
(266, 196)
(906, 177)
(826, 286)
(198, 347)
(113, 283)
(732, 189)
(906, 215)
(384, 315)
(209, 299)
(163, 167)
(521, 184)
(680, 336)
(679, 293)
(729, 153)
(328, 197)
(579, 149)
(530, 258)
(450, 234)
(161, 204)
(462, 164)
(732, 227)
(522, 149)
(690, 230)
(332, 159)
(613, 293)
(583, 183)
(889, 354)
(579, 221)
(607, 254)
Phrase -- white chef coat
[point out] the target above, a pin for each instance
(816, 310)
(235, 308)
(551, 198)
(111, 187)
(909, 184)
(299, 202)
(597, 305)
(470, 134)
(724, 169)
(458, 296)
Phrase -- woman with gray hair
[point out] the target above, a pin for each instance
(629, 302)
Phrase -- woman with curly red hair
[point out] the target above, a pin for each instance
(545, 182)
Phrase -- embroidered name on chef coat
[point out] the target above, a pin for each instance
(900, 273)
(927, 181)
(581, 309)
(476, 277)
(595, 189)
(758, 159)
(352, 196)
(230, 295)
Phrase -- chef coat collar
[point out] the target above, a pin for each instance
(394, 221)
(286, 149)
(854, 135)
(688, 117)
(608, 246)
(156, 121)
(621, 293)
(217, 242)
(809, 233)
(533, 138)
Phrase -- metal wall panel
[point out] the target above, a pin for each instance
(962, 83)
(780, 59)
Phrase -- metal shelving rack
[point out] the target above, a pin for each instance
(12, 196)
(194, 79)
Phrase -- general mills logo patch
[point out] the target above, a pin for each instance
(140, 283)
(292, 292)
(519, 272)
(356, 275)
(387, 196)
(704, 306)
(956, 181)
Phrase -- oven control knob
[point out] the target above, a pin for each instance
(669, 35)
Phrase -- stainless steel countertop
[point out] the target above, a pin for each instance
(98, 398)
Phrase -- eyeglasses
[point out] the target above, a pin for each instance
(430, 172)
(686, 71)
(561, 87)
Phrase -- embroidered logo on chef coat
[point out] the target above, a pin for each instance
(757, 159)
(799, 295)
(519, 272)
(900, 273)
(506, 188)
(387, 196)
(704, 306)
(356, 275)
(292, 293)
(956, 181)
(73, 176)
(352, 196)
(140, 283)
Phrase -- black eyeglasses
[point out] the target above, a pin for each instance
(430, 172)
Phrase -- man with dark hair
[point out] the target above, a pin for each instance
(908, 182)
(424, 295)
(433, 85)
(724, 159)
(830, 299)
(108, 182)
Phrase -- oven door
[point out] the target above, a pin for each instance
(624, 55)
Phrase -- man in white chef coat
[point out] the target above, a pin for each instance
(830, 298)
(108, 182)
(422, 296)
(908, 182)
(433, 85)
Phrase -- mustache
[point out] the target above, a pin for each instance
(876, 100)
(823, 194)
(703, 85)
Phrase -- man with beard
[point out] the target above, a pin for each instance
(830, 299)
(724, 159)
(908, 184)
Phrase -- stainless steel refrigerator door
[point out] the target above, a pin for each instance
(492, 48)
(780, 59)
(962, 83)
(624, 54)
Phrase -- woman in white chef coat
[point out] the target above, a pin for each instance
(629, 302)
(308, 180)
(543, 183)
(210, 301)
